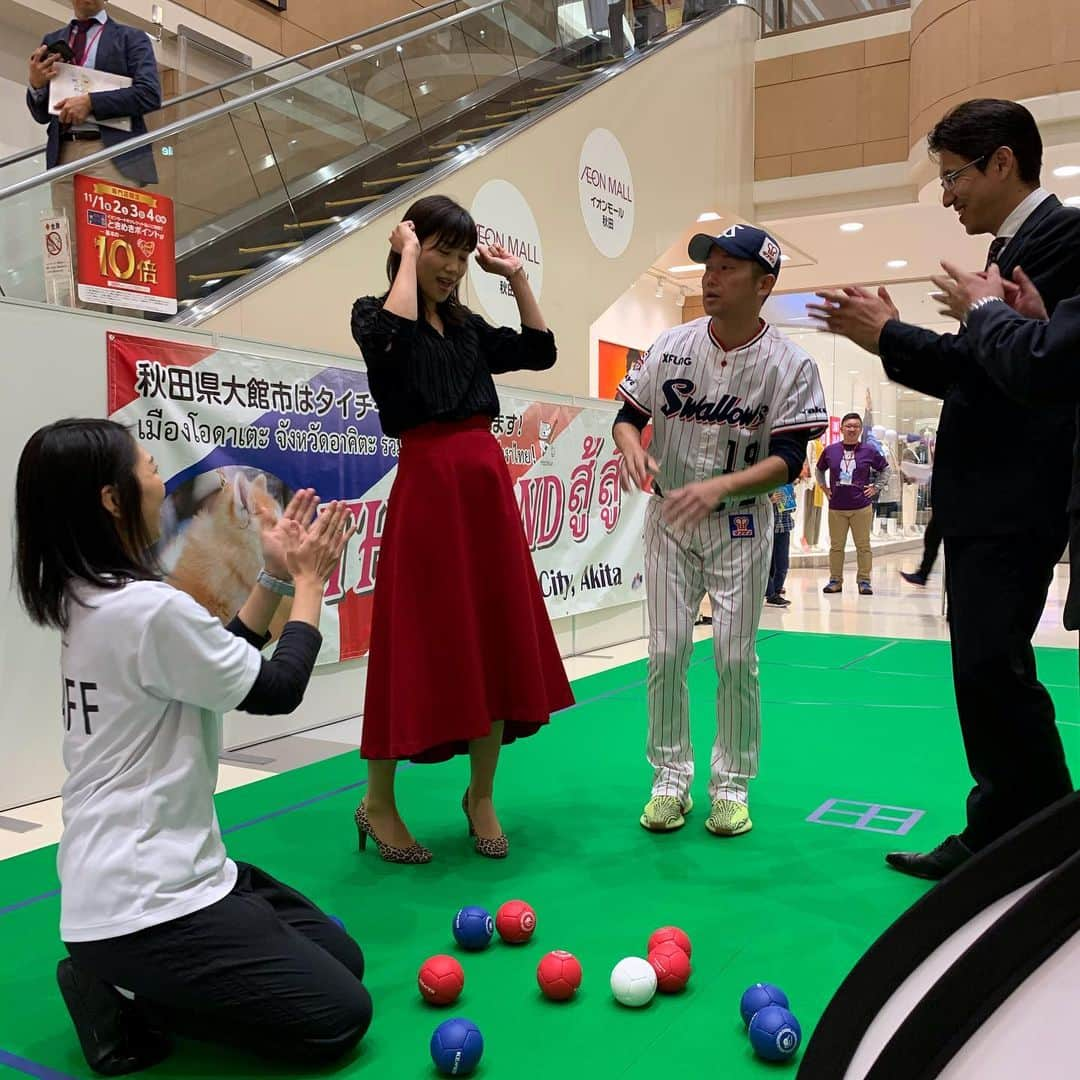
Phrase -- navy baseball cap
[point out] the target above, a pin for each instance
(742, 241)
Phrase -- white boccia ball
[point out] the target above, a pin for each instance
(633, 982)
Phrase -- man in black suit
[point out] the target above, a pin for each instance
(1034, 358)
(1000, 555)
(88, 122)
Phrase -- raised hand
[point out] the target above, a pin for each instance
(320, 548)
(404, 238)
(281, 534)
(495, 259)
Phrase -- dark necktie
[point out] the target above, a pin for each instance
(78, 42)
(996, 248)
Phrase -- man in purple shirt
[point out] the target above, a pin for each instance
(849, 464)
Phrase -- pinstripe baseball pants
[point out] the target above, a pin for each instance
(679, 570)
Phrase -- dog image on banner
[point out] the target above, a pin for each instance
(211, 546)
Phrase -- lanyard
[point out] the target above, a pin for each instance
(81, 60)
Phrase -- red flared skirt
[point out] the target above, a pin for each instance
(460, 636)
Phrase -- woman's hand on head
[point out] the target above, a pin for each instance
(404, 239)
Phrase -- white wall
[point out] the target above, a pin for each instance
(18, 130)
(55, 367)
(634, 320)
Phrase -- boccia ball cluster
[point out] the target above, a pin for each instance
(457, 1044)
(775, 1033)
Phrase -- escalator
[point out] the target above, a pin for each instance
(307, 148)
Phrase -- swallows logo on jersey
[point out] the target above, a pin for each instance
(680, 404)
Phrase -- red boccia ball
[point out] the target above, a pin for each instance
(559, 975)
(670, 933)
(515, 921)
(440, 980)
(672, 967)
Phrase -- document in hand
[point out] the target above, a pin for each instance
(72, 80)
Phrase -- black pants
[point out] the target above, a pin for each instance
(931, 544)
(781, 559)
(997, 589)
(263, 969)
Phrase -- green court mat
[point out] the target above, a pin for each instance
(794, 902)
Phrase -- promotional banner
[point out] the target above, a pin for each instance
(125, 245)
(233, 433)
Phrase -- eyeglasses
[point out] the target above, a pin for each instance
(948, 181)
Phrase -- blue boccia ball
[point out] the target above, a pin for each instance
(336, 921)
(775, 1034)
(473, 927)
(757, 997)
(456, 1047)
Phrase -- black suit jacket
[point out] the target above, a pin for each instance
(122, 50)
(1038, 363)
(1001, 466)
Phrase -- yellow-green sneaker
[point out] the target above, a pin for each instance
(728, 818)
(664, 813)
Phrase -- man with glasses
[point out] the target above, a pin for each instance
(1002, 515)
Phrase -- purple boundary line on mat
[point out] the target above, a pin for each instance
(31, 1068)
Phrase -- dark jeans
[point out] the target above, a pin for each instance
(263, 969)
(781, 559)
(997, 589)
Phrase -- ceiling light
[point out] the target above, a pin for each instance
(1073, 200)
(710, 215)
(785, 258)
(1067, 170)
(692, 268)
(852, 226)
(896, 264)
(854, 371)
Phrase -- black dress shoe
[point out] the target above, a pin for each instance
(115, 1039)
(934, 865)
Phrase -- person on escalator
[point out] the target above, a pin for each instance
(87, 123)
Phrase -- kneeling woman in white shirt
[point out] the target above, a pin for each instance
(202, 946)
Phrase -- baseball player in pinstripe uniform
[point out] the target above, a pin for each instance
(733, 403)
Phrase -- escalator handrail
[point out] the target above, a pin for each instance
(206, 308)
(297, 58)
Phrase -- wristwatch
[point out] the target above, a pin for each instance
(275, 585)
(981, 303)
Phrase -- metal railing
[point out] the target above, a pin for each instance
(275, 65)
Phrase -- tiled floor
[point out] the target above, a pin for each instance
(896, 610)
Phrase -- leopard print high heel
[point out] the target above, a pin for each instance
(497, 848)
(413, 855)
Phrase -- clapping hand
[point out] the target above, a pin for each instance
(855, 313)
(320, 547)
(281, 534)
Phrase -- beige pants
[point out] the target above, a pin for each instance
(858, 521)
(63, 199)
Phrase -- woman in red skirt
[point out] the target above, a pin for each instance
(463, 657)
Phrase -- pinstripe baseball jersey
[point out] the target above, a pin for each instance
(714, 410)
